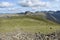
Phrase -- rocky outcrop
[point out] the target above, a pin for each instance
(29, 36)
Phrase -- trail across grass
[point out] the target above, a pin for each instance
(28, 23)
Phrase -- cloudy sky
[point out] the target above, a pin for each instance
(16, 6)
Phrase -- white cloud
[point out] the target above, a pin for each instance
(38, 4)
(33, 3)
(5, 4)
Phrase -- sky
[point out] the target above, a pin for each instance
(17, 6)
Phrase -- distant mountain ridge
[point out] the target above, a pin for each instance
(54, 16)
(50, 15)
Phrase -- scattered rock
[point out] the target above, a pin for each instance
(29, 36)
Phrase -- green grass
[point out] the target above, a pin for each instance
(28, 23)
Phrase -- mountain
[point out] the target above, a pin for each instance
(54, 16)
(50, 15)
(30, 22)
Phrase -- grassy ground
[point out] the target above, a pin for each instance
(28, 23)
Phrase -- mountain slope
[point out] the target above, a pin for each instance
(55, 16)
(28, 24)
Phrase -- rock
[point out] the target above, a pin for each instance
(29, 36)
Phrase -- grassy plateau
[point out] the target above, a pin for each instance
(28, 24)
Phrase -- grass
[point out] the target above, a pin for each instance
(28, 23)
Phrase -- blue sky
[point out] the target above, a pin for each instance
(16, 6)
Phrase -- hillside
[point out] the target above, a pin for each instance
(28, 23)
(30, 26)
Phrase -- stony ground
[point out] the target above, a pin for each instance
(19, 35)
